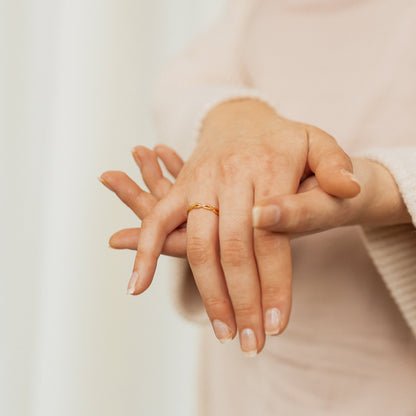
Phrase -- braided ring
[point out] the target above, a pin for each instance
(204, 206)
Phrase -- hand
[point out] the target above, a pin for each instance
(312, 210)
(244, 151)
(142, 202)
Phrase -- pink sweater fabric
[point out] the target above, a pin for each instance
(348, 67)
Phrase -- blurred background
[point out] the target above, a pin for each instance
(75, 86)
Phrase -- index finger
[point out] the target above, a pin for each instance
(168, 214)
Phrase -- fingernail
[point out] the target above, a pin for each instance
(351, 176)
(131, 287)
(272, 321)
(248, 342)
(265, 216)
(105, 183)
(136, 156)
(222, 331)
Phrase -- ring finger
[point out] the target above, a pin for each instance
(203, 257)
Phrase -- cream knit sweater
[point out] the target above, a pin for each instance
(227, 61)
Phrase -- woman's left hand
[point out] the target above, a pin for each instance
(312, 210)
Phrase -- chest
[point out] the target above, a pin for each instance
(350, 70)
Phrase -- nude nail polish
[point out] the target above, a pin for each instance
(133, 279)
(105, 183)
(136, 157)
(272, 321)
(248, 342)
(222, 331)
(351, 176)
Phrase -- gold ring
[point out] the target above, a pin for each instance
(204, 206)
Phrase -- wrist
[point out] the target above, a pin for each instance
(238, 117)
(380, 202)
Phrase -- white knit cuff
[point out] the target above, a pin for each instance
(393, 248)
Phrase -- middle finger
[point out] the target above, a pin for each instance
(239, 264)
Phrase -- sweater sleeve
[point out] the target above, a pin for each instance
(393, 248)
(209, 71)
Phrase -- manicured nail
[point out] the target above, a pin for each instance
(133, 279)
(351, 176)
(266, 216)
(105, 183)
(222, 331)
(248, 342)
(136, 156)
(272, 321)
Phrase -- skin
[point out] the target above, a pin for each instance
(241, 274)
(311, 210)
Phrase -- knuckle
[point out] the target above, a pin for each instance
(284, 163)
(131, 196)
(300, 214)
(197, 251)
(231, 165)
(317, 132)
(233, 252)
(216, 305)
(273, 293)
(148, 254)
(245, 309)
(163, 185)
(338, 158)
(292, 214)
(201, 172)
(266, 239)
(137, 199)
(149, 222)
(266, 243)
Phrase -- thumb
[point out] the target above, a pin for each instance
(306, 212)
(332, 166)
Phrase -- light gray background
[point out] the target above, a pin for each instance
(75, 82)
